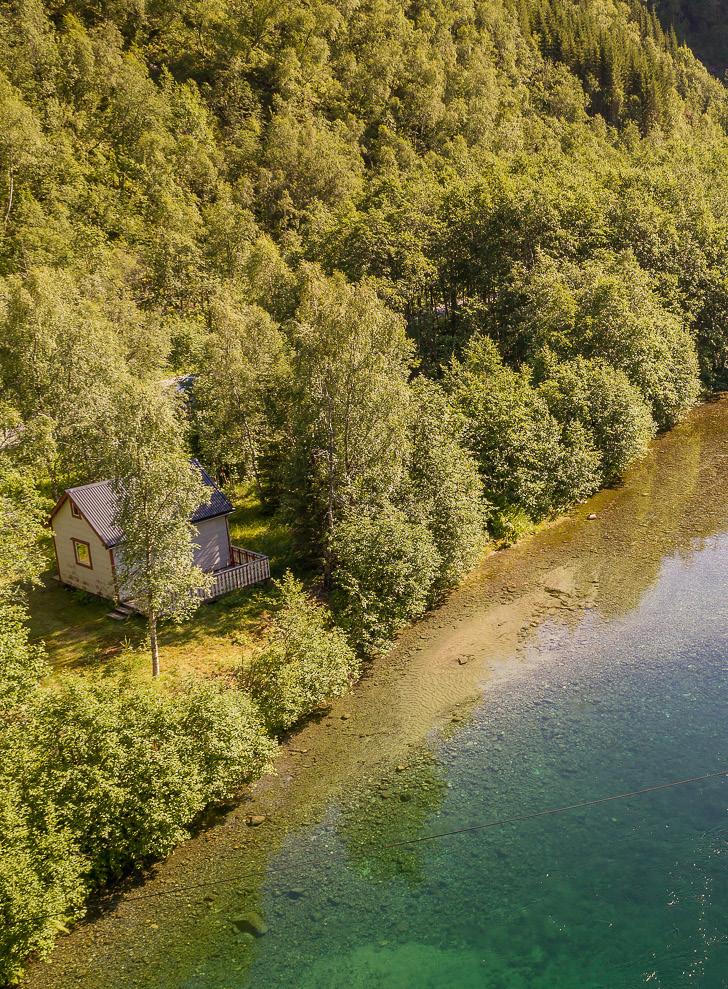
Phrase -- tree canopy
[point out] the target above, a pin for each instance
(435, 271)
(496, 226)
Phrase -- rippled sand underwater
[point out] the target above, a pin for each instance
(616, 895)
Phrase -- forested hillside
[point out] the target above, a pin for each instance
(176, 175)
(702, 24)
(440, 270)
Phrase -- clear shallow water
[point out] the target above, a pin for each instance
(617, 895)
(591, 661)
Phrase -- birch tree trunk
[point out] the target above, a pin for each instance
(153, 642)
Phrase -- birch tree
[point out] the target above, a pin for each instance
(345, 437)
(157, 492)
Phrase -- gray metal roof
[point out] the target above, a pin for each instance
(97, 503)
(219, 503)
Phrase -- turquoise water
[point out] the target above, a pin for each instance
(618, 895)
(590, 661)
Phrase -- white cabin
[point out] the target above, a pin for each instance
(88, 543)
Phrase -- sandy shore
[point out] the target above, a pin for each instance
(430, 682)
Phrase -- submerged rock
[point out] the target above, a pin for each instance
(250, 923)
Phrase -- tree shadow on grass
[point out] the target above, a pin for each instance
(234, 616)
(74, 626)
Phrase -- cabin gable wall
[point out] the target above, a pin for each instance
(213, 544)
(99, 577)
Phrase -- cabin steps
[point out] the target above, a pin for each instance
(121, 612)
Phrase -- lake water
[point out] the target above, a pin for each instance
(588, 662)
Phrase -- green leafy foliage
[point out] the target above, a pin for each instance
(386, 569)
(22, 517)
(608, 310)
(443, 488)
(97, 779)
(343, 435)
(157, 491)
(527, 460)
(42, 884)
(243, 366)
(130, 768)
(22, 663)
(622, 320)
(306, 662)
(603, 401)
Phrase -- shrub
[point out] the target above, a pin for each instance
(21, 663)
(222, 738)
(129, 767)
(306, 661)
(41, 876)
(386, 567)
(602, 399)
(41, 871)
(608, 310)
(622, 320)
(510, 524)
(526, 459)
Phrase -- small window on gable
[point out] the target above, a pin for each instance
(82, 553)
(74, 511)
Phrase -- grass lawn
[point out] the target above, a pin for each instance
(80, 637)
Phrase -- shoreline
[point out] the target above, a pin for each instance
(429, 682)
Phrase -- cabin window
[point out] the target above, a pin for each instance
(82, 552)
(75, 512)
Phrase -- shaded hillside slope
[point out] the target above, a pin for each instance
(702, 24)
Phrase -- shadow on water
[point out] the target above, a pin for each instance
(589, 660)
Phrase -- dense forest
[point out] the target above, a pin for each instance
(438, 271)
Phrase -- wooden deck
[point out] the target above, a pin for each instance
(247, 568)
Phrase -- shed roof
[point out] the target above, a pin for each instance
(97, 503)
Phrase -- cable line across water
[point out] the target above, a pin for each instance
(558, 810)
(519, 818)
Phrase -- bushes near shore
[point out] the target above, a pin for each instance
(98, 778)
(305, 661)
(101, 777)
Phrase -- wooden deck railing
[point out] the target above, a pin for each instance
(248, 568)
(239, 557)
